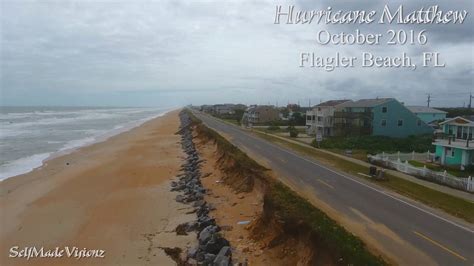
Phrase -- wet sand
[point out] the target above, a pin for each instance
(112, 196)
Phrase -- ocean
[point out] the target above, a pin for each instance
(31, 135)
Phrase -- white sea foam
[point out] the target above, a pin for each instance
(90, 135)
(23, 165)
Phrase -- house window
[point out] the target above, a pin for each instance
(384, 109)
(308, 118)
(383, 122)
(400, 122)
(418, 123)
(320, 119)
(450, 152)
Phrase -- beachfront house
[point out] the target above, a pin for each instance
(455, 146)
(320, 118)
(377, 117)
(428, 114)
(260, 114)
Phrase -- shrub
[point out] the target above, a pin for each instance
(377, 144)
(273, 128)
(293, 133)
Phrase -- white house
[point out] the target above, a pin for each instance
(320, 119)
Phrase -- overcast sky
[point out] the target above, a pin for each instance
(168, 53)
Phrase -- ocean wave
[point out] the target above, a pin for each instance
(26, 164)
(22, 165)
(61, 120)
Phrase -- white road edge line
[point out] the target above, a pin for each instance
(363, 184)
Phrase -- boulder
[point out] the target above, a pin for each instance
(205, 222)
(199, 203)
(215, 244)
(180, 198)
(192, 252)
(206, 234)
(209, 259)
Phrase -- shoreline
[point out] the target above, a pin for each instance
(112, 196)
(38, 160)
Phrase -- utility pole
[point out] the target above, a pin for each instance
(470, 100)
(429, 99)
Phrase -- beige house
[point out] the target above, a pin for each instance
(320, 119)
(261, 114)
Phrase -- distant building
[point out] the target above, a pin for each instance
(207, 108)
(293, 107)
(224, 109)
(378, 117)
(320, 119)
(261, 114)
(428, 114)
(455, 147)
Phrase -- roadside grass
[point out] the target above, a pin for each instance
(297, 211)
(276, 129)
(378, 144)
(356, 154)
(232, 121)
(293, 209)
(439, 168)
(359, 154)
(453, 205)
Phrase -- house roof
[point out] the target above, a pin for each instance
(367, 102)
(459, 120)
(331, 103)
(424, 109)
(469, 117)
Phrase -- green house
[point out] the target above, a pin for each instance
(378, 117)
(455, 146)
(428, 114)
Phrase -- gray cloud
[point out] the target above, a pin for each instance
(180, 52)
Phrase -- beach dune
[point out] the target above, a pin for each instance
(112, 196)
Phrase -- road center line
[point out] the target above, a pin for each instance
(324, 183)
(356, 181)
(439, 245)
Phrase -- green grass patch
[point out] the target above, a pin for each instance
(453, 205)
(357, 154)
(439, 168)
(277, 129)
(378, 144)
(232, 121)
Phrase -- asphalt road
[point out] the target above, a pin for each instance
(407, 231)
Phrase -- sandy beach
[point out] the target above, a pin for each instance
(112, 196)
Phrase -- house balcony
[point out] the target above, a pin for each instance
(464, 144)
